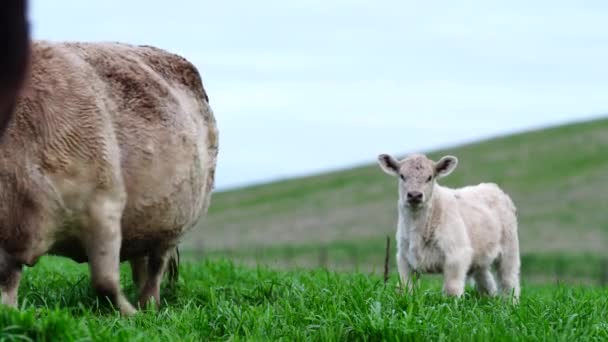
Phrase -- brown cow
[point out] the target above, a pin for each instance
(14, 55)
(109, 143)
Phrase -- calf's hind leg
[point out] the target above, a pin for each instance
(484, 281)
(508, 274)
(102, 240)
(509, 268)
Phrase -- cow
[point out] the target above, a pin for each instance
(110, 157)
(460, 232)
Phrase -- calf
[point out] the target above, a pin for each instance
(460, 232)
(110, 156)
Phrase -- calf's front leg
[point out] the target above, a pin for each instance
(407, 283)
(455, 270)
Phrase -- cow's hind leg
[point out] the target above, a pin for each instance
(140, 268)
(173, 266)
(157, 263)
(139, 272)
(102, 240)
(10, 276)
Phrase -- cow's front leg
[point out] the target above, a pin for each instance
(10, 276)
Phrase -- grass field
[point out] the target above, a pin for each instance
(216, 300)
(556, 176)
(339, 221)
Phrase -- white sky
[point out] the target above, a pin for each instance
(302, 87)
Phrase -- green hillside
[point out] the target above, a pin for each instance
(558, 178)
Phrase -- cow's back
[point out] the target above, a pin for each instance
(117, 117)
(167, 137)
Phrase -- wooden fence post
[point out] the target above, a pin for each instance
(604, 272)
(386, 258)
(199, 249)
(354, 258)
(323, 257)
(289, 256)
(559, 269)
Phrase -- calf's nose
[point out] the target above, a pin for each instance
(414, 196)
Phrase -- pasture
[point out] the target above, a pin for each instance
(216, 300)
(112, 147)
(302, 259)
(556, 176)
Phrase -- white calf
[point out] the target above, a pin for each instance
(460, 232)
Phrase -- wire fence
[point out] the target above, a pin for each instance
(343, 257)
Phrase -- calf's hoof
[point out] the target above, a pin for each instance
(454, 290)
(127, 310)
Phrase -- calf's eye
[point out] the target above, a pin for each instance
(429, 179)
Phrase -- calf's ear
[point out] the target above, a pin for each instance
(445, 166)
(388, 164)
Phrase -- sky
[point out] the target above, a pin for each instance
(301, 87)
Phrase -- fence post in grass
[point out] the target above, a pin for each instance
(288, 256)
(229, 254)
(199, 249)
(559, 268)
(257, 255)
(354, 257)
(323, 256)
(604, 272)
(386, 258)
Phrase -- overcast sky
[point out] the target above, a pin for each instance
(302, 87)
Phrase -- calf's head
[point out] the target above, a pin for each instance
(417, 176)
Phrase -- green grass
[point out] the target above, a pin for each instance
(557, 178)
(216, 300)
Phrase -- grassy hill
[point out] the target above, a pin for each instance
(558, 178)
